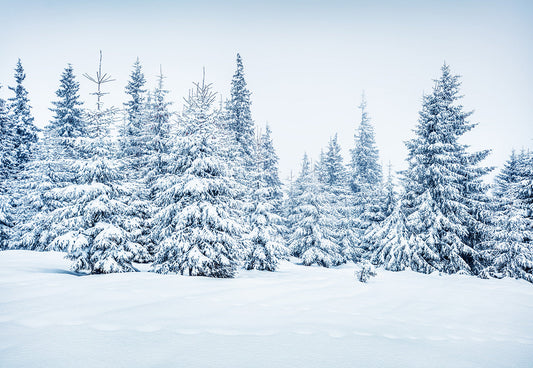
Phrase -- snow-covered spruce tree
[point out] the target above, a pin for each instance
(508, 175)
(510, 248)
(240, 126)
(438, 203)
(391, 242)
(366, 175)
(54, 169)
(269, 162)
(334, 179)
(93, 211)
(157, 141)
(132, 146)
(390, 199)
(365, 167)
(7, 166)
(197, 230)
(25, 131)
(313, 223)
(265, 245)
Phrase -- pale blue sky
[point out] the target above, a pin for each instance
(306, 62)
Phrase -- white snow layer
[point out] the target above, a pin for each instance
(296, 317)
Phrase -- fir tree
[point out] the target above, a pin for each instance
(441, 183)
(269, 162)
(391, 243)
(133, 125)
(266, 245)
(365, 167)
(93, 212)
(7, 164)
(313, 223)
(25, 132)
(196, 228)
(366, 177)
(55, 168)
(239, 123)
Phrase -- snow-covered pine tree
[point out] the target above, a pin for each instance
(365, 167)
(196, 227)
(508, 175)
(389, 194)
(157, 141)
(132, 131)
(240, 126)
(7, 167)
(313, 236)
(440, 171)
(270, 169)
(334, 179)
(510, 248)
(25, 131)
(366, 175)
(54, 169)
(390, 242)
(92, 211)
(265, 243)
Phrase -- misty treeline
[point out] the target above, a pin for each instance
(198, 192)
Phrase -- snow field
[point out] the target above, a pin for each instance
(296, 317)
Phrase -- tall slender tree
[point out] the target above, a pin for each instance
(25, 129)
(55, 169)
(135, 116)
(240, 124)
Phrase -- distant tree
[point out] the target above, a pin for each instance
(54, 170)
(7, 165)
(196, 227)
(265, 242)
(366, 176)
(25, 131)
(365, 167)
(240, 125)
(313, 236)
(132, 145)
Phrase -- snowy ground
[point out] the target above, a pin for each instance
(297, 317)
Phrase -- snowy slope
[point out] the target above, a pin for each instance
(297, 317)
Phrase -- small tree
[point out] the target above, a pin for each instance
(25, 131)
(265, 244)
(313, 223)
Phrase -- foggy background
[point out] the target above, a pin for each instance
(306, 62)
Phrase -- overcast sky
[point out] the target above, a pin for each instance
(306, 62)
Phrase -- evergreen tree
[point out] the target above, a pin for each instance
(313, 237)
(509, 175)
(437, 183)
(265, 240)
(269, 167)
(196, 227)
(25, 131)
(365, 167)
(157, 160)
(7, 164)
(94, 213)
(240, 125)
(132, 145)
(389, 195)
(55, 168)
(366, 176)
(8, 159)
